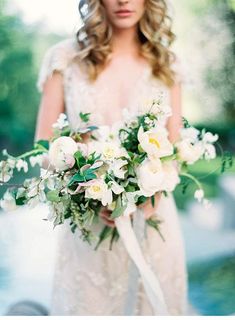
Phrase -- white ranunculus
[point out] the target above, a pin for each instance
(116, 168)
(8, 202)
(150, 177)
(59, 150)
(171, 177)
(99, 190)
(188, 152)
(155, 142)
(190, 134)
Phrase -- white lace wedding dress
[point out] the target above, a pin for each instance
(89, 282)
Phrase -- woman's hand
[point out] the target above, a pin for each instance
(105, 216)
(147, 207)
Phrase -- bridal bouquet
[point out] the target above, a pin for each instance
(119, 167)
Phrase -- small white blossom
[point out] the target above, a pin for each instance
(36, 160)
(8, 202)
(61, 122)
(22, 164)
(208, 137)
(6, 172)
(199, 194)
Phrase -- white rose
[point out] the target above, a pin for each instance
(171, 177)
(150, 177)
(188, 152)
(190, 134)
(99, 190)
(8, 202)
(155, 142)
(59, 152)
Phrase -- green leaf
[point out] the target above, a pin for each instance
(84, 116)
(119, 209)
(89, 174)
(81, 161)
(153, 201)
(53, 196)
(105, 233)
(42, 143)
(76, 178)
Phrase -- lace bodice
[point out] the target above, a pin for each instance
(95, 283)
(83, 96)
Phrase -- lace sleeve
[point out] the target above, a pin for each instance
(56, 58)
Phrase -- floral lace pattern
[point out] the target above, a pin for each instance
(88, 282)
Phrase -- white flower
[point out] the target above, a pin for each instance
(209, 151)
(188, 152)
(116, 168)
(22, 164)
(150, 176)
(6, 172)
(171, 177)
(36, 160)
(110, 151)
(99, 190)
(44, 174)
(155, 142)
(115, 187)
(208, 137)
(199, 194)
(59, 150)
(8, 202)
(61, 122)
(190, 134)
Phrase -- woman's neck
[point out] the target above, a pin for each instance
(125, 42)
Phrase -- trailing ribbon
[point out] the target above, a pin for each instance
(150, 280)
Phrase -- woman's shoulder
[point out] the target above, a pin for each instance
(57, 58)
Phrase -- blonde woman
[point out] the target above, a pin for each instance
(120, 58)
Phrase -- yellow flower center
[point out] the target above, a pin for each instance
(108, 153)
(153, 140)
(96, 188)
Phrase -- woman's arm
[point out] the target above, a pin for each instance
(51, 105)
(175, 123)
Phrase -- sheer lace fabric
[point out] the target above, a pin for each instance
(89, 282)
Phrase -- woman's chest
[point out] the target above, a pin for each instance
(106, 98)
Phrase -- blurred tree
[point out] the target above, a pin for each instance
(18, 94)
(21, 51)
(216, 40)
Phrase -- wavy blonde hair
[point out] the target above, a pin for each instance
(154, 33)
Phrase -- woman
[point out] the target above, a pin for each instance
(120, 58)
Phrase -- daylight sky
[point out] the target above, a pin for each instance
(57, 16)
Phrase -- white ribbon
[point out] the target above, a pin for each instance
(150, 280)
